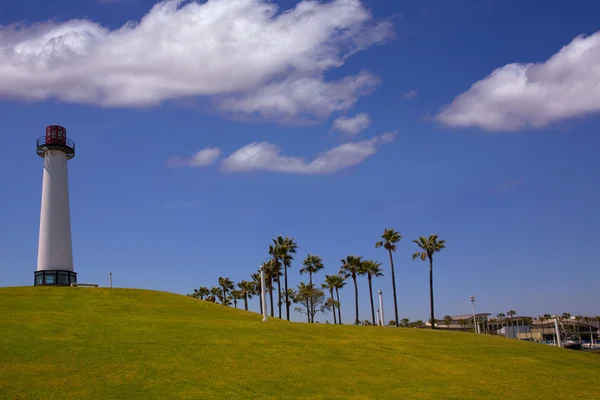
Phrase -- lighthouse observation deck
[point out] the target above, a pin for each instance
(55, 139)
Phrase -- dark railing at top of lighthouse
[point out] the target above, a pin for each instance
(55, 139)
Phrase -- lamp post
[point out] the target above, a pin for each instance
(262, 292)
(475, 326)
(381, 308)
(377, 317)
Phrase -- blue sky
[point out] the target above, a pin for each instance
(196, 131)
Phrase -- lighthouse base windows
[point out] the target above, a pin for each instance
(54, 278)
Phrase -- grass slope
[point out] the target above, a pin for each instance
(75, 343)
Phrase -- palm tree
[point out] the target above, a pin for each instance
(390, 238)
(201, 292)
(372, 269)
(429, 246)
(330, 284)
(270, 275)
(256, 288)
(312, 265)
(291, 294)
(246, 290)
(352, 267)
(404, 322)
(282, 250)
(235, 296)
(226, 284)
(447, 320)
(338, 283)
(463, 323)
(215, 292)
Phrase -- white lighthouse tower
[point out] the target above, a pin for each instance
(55, 253)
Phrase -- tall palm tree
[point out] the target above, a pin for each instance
(270, 275)
(256, 288)
(338, 283)
(291, 294)
(246, 290)
(312, 265)
(352, 267)
(330, 284)
(390, 238)
(447, 320)
(226, 284)
(282, 250)
(277, 252)
(290, 247)
(372, 269)
(429, 246)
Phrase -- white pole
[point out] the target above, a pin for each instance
(377, 317)
(558, 341)
(110, 279)
(262, 293)
(381, 308)
(475, 326)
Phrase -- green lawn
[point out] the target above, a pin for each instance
(87, 343)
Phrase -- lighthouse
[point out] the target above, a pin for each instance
(55, 252)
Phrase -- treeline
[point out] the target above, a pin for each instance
(311, 298)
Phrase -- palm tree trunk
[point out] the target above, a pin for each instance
(310, 281)
(355, 298)
(279, 295)
(287, 300)
(337, 292)
(307, 310)
(246, 303)
(431, 292)
(333, 304)
(224, 295)
(371, 295)
(260, 302)
(271, 296)
(394, 288)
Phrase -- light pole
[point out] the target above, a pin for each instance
(377, 317)
(262, 292)
(381, 308)
(475, 326)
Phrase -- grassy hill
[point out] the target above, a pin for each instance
(76, 343)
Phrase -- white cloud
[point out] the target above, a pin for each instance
(202, 158)
(265, 156)
(352, 125)
(248, 54)
(521, 95)
(411, 94)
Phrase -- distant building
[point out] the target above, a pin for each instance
(464, 322)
